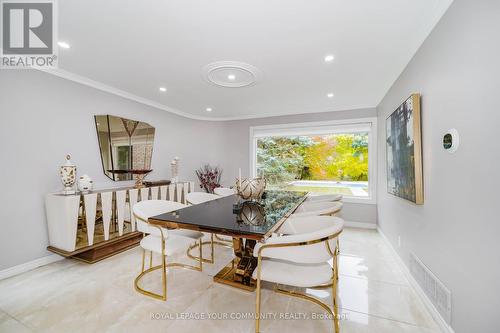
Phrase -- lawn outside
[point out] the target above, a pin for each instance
(355, 189)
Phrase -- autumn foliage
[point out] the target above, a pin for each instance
(337, 157)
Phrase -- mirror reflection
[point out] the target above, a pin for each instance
(126, 146)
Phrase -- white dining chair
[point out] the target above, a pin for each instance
(162, 241)
(324, 197)
(224, 191)
(196, 198)
(301, 260)
(318, 208)
(145, 209)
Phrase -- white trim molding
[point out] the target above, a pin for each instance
(118, 92)
(360, 225)
(325, 127)
(28, 266)
(442, 324)
(145, 101)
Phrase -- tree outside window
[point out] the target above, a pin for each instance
(322, 162)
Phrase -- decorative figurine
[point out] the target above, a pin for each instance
(68, 175)
(85, 184)
(174, 170)
(251, 188)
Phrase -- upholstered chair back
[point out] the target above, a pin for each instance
(148, 208)
(318, 208)
(195, 198)
(224, 191)
(314, 234)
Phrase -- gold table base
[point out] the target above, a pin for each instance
(227, 276)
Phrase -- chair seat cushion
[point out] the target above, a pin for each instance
(144, 227)
(298, 225)
(173, 244)
(186, 233)
(317, 208)
(293, 274)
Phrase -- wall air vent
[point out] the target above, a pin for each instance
(436, 291)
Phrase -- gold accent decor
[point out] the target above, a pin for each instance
(101, 251)
(227, 276)
(126, 147)
(251, 188)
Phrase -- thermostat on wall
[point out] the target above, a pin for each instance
(451, 141)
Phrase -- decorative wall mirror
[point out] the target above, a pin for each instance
(126, 147)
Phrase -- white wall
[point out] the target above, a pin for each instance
(43, 118)
(456, 232)
(237, 135)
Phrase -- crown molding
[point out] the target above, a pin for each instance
(115, 91)
(145, 101)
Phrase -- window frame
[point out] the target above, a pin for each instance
(325, 127)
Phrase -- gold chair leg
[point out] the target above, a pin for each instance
(139, 289)
(163, 266)
(227, 243)
(303, 296)
(143, 259)
(333, 312)
(201, 254)
(212, 243)
(335, 277)
(257, 301)
(163, 275)
(212, 250)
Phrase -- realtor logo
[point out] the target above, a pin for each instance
(28, 34)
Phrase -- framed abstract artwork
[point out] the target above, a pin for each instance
(404, 151)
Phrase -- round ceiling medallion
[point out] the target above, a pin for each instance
(231, 74)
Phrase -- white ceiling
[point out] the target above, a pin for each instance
(133, 47)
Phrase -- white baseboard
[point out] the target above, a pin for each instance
(27, 266)
(443, 325)
(362, 225)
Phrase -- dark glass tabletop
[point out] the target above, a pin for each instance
(233, 216)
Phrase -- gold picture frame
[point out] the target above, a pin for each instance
(404, 151)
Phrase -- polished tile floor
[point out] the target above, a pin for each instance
(69, 296)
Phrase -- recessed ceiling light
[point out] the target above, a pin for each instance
(330, 95)
(329, 58)
(64, 45)
(163, 89)
(231, 77)
(209, 109)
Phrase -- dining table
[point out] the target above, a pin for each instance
(245, 221)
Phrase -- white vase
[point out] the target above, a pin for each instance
(68, 176)
(174, 170)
